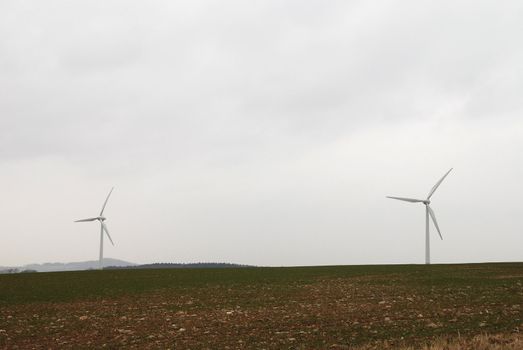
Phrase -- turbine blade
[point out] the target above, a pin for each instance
(105, 203)
(412, 200)
(84, 220)
(437, 184)
(433, 216)
(107, 232)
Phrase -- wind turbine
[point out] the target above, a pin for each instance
(428, 212)
(103, 227)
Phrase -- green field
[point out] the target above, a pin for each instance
(332, 307)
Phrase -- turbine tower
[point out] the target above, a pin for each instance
(428, 212)
(103, 227)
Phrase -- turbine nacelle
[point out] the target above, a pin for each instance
(101, 218)
(426, 202)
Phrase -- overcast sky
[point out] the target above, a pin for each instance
(260, 132)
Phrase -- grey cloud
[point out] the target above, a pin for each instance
(265, 119)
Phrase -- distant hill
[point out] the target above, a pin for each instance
(201, 265)
(112, 264)
(72, 266)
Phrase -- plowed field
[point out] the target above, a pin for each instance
(334, 307)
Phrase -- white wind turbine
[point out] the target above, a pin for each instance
(428, 212)
(103, 228)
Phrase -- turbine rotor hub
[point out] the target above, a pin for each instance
(101, 218)
(427, 202)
